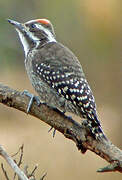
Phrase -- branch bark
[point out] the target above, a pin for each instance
(67, 126)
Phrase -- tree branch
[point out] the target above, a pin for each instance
(22, 175)
(70, 128)
(13, 165)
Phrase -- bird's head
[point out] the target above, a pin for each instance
(34, 33)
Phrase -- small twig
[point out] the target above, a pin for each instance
(4, 172)
(31, 175)
(20, 148)
(43, 176)
(33, 171)
(21, 156)
(20, 159)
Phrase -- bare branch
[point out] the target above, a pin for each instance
(15, 166)
(70, 128)
(12, 164)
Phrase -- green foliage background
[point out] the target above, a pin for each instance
(92, 29)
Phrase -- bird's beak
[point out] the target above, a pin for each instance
(17, 25)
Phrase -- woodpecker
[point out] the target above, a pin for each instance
(56, 74)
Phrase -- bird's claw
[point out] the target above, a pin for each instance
(54, 131)
(32, 98)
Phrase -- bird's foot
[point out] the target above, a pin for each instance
(32, 98)
(54, 131)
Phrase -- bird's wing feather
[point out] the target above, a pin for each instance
(61, 70)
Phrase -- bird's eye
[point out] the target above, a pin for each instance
(33, 26)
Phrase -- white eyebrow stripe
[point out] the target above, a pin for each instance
(49, 34)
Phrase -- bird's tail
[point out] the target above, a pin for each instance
(98, 132)
(95, 129)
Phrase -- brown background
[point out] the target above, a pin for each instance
(92, 29)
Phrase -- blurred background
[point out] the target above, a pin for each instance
(92, 29)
